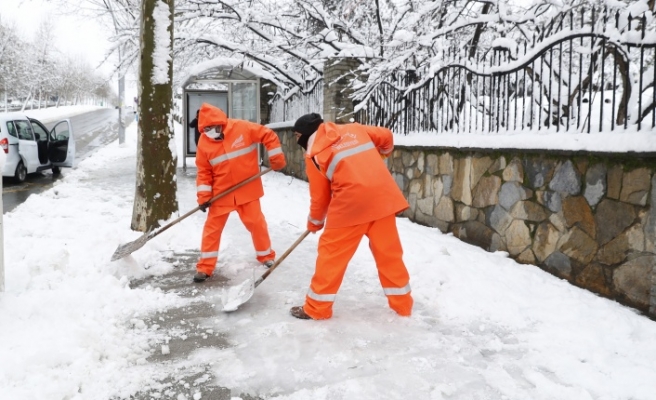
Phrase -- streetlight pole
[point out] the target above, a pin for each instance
(121, 84)
(121, 101)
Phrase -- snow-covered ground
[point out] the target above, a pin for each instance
(483, 327)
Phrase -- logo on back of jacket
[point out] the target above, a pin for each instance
(347, 140)
(239, 142)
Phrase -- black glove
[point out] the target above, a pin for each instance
(204, 206)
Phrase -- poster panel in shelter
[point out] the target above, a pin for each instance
(244, 101)
(194, 101)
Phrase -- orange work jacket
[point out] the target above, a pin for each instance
(349, 182)
(225, 163)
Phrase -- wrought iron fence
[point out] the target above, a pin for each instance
(587, 70)
(292, 104)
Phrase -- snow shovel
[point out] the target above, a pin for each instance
(128, 248)
(240, 294)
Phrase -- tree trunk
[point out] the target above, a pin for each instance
(155, 195)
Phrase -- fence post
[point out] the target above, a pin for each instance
(337, 104)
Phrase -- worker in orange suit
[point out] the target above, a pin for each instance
(353, 194)
(227, 154)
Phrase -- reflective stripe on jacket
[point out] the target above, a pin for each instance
(349, 183)
(227, 162)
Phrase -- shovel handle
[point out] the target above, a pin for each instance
(282, 257)
(218, 196)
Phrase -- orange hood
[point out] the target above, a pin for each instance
(211, 116)
(324, 137)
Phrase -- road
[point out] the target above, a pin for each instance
(91, 130)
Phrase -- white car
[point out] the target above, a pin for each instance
(30, 147)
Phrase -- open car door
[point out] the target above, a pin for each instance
(61, 149)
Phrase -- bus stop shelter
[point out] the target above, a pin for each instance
(226, 84)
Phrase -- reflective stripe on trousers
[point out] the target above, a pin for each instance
(336, 248)
(252, 218)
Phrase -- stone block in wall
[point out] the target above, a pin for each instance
(545, 240)
(420, 162)
(614, 181)
(499, 164)
(498, 244)
(552, 200)
(479, 166)
(527, 257)
(425, 205)
(465, 213)
(611, 218)
(446, 164)
(416, 187)
(447, 180)
(635, 186)
(559, 264)
(511, 193)
(499, 219)
(474, 232)
(616, 251)
(444, 210)
(397, 164)
(514, 172)
(633, 279)
(595, 184)
(581, 165)
(649, 223)
(400, 181)
(577, 212)
(412, 202)
(539, 171)
(558, 221)
(408, 159)
(461, 190)
(593, 277)
(517, 237)
(566, 179)
(436, 187)
(529, 211)
(578, 245)
(430, 220)
(486, 193)
(432, 165)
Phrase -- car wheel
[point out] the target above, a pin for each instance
(56, 170)
(21, 173)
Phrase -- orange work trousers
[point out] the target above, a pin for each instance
(336, 248)
(252, 218)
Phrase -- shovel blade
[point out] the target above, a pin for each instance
(128, 248)
(235, 296)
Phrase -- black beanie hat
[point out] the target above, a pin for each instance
(306, 126)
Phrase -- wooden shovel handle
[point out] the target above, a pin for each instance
(230, 190)
(282, 257)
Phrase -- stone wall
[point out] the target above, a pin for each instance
(587, 218)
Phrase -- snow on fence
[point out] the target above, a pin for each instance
(290, 105)
(587, 70)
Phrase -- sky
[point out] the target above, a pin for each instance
(483, 326)
(73, 34)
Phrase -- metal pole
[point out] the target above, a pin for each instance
(2, 243)
(121, 103)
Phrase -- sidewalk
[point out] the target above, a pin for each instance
(75, 325)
